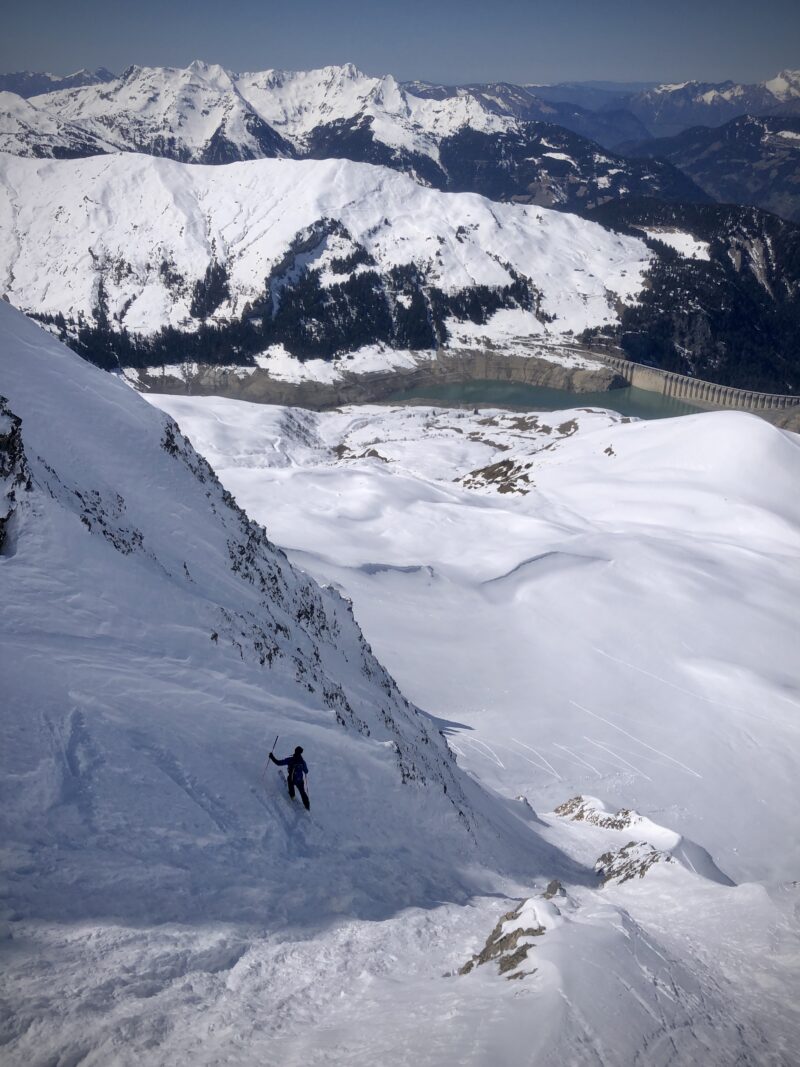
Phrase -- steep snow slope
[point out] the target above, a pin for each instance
(150, 627)
(609, 607)
(130, 240)
(165, 905)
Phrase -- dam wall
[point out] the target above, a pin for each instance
(695, 390)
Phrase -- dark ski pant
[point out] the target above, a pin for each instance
(303, 795)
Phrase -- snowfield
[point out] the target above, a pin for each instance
(598, 615)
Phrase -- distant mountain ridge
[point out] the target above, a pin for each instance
(473, 139)
(27, 83)
(667, 110)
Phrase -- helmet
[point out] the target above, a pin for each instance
(298, 751)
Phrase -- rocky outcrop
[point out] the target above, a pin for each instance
(634, 860)
(14, 474)
(509, 943)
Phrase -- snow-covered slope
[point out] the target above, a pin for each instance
(277, 246)
(163, 901)
(198, 637)
(194, 114)
(26, 130)
(609, 606)
(296, 103)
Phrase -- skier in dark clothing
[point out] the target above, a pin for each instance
(295, 774)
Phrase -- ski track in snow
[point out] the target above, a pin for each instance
(578, 759)
(617, 756)
(548, 766)
(638, 741)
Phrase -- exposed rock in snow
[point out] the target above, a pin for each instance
(15, 475)
(633, 860)
(588, 809)
(512, 939)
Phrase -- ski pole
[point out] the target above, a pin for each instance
(266, 764)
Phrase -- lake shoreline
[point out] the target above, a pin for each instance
(572, 369)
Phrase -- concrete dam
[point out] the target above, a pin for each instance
(695, 390)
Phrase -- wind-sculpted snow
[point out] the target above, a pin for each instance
(599, 599)
(320, 256)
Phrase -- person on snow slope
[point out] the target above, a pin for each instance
(296, 771)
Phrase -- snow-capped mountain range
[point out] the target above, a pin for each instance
(32, 83)
(668, 109)
(204, 114)
(32, 131)
(498, 139)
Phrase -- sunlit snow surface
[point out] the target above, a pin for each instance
(625, 629)
(622, 623)
(626, 616)
(72, 219)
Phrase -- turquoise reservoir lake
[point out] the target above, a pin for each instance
(636, 403)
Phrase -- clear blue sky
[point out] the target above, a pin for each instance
(439, 40)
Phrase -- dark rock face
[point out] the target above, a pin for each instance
(733, 319)
(747, 161)
(504, 948)
(355, 139)
(223, 148)
(535, 163)
(634, 860)
(15, 477)
(544, 165)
